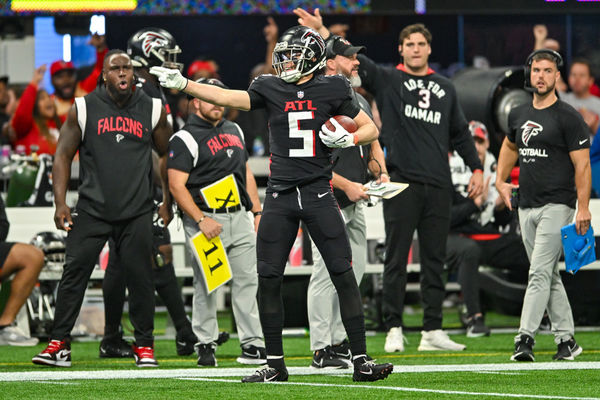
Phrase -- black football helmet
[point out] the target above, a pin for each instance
(153, 47)
(300, 51)
(54, 248)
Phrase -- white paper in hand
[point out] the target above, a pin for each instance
(385, 190)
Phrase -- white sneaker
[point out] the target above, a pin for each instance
(394, 340)
(13, 336)
(438, 340)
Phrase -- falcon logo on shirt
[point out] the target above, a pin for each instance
(530, 129)
(229, 152)
(119, 137)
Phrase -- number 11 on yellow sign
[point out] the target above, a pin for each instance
(212, 258)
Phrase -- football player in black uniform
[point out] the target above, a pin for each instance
(299, 102)
(114, 128)
(148, 47)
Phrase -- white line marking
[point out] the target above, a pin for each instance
(405, 389)
(54, 374)
(58, 383)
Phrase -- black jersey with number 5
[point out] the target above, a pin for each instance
(296, 113)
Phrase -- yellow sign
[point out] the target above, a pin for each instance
(223, 193)
(73, 5)
(212, 259)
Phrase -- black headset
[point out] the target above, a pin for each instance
(554, 54)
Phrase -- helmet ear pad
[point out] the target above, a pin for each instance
(300, 51)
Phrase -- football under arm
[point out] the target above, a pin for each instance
(367, 130)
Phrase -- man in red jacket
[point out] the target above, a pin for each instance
(64, 79)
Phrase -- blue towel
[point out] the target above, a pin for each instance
(579, 249)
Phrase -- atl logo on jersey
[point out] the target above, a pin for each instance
(530, 129)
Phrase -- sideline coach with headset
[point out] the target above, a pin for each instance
(551, 142)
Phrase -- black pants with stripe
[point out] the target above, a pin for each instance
(133, 240)
(315, 205)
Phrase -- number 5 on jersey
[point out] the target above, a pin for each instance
(307, 136)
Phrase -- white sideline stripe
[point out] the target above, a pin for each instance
(55, 374)
(405, 389)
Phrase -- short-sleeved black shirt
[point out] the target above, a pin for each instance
(296, 113)
(544, 139)
(219, 151)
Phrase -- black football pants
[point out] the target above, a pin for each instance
(425, 208)
(133, 241)
(315, 205)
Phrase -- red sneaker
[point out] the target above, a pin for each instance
(58, 354)
(144, 356)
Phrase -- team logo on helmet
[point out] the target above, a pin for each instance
(530, 129)
(311, 37)
(150, 40)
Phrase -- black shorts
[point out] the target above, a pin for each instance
(4, 250)
(313, 204)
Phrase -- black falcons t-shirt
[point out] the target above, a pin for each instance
(296, 113)
(544, 139)
(220, 151)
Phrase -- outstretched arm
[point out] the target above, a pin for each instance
(172, 79)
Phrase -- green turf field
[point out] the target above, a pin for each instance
(417, 375)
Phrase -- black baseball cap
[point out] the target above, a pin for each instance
(209, 81)
(338, 46)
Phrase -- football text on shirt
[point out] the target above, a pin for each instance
(222, 141)
(120, 124)
(425, 90)
(529, 130)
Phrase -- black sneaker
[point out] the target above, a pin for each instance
(185, 341)
(476, 327)
(267, 374)
(223, 337)
(342, 350)
(567, 350)
(57, 354)
(326, 358)
(523, 349)
(206, 355)
(368, 371)
(118, 348)
(253, 355)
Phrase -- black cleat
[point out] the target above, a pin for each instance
(567, 350)
(368, 371)
(326, 358)
(523, 349)
(223, 337)
(267, 374)
(253, 355)
(476, 327)
(206, 355)
(185, 341)
(118, 348)
(342, 350)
